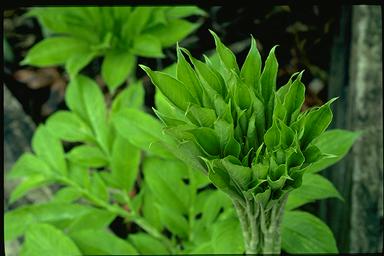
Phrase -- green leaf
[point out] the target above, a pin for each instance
(101, 242)
(54, 213)
(136, 22)
(268, 76)
(54, 51)
(146, 244)
(78, 61)
(28, 164)
(240, 174)
(29, 183)
(89, 156)
(84, 97)
(205, 116)
(304, 233)
(187, 75)
(226, 55)
(272, 137)
(314, 187)
(130, 97)
(44, 239)
(173, 89)
(159, 181)
(142, 130)
(147, 45)
(223, 236)
(68, 126)
(333, 142)
(294, 99)
(49, 149)
(174, 31)
(178, 12)
(124, 163)
(251, 68)
(98, 187)
(94, 219)
(173, 221)
(66, 195)
(117, 66)
(207, 139)
(316, 122)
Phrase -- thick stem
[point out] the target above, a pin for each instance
(261, 227)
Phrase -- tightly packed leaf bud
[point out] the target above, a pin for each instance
(253, 141)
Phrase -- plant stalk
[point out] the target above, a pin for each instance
(261, 225)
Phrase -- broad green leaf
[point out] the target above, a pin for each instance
(172, 32)
(54, 213)
(147, 45)
(268, 76)
(84, 97)
(142, 130)
(78, 61)
(54, 51)
(28, 164)
(212, 205)
(159, 180)
(170, 87)
(44, 239)
(89, 156)
(226, 55)
(94, 219)
(130, 97)
(125, 163)
(304, 233)
(223, 236)
(49, 149)
(79, 174)
(98, 187)
(29, 183)
(316, 122)
(66, 195)
(101, 242)
(333, 142)
(251, 68)
(117, 66)
(314, 187)
(136, 22)
(173, 221)
(68, 126)
(146, 244)
(178, 12)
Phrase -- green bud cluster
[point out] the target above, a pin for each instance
(252, 140)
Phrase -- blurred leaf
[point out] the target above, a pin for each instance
(44, 239)
(94, 219)
(27, 184)
(49, 149)
(172, 32)
(130, 97)
(66, 195)
(54, 51)
(27, 165)
(333, 142)
(314, 187)
(147, 46)
(78, 61)
(89, 156)
(304, 233)
(53, 213)
(101, 242)
(84, 97)
(116, 67)
(146, 244)
(178, 12)
(98, 187)
(68, 126)
(227, 237)
(125, 163)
